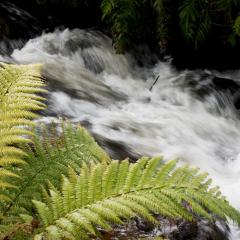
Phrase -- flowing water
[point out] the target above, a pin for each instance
(180, 116)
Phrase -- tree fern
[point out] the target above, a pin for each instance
(102, 195)
(50, 155)
(19, 85)
(123, 17)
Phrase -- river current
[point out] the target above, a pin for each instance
(147, 109)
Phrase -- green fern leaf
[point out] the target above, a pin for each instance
(50, 155)
(19, 85)
(109, 204)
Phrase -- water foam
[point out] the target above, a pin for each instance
(89, 82)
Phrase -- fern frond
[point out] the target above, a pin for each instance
(195, 21)
(107, 7)
(94, 199)
(123, 18)
(19, 85)
(50, 155)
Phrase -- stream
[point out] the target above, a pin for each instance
(137, 109)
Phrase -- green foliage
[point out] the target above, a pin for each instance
(164, 19)
(50, 155)
(18, 100)
(192, 21)
(123, 17)
(195, 20)
(102, 195)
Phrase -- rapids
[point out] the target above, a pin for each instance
(180, 116)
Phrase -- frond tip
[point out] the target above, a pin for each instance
(102, 195)
(19, 85)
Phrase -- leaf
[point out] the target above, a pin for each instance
(107, 204)
(18, 100)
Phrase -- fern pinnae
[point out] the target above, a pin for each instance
(43, 212)
(94, 218)
(198, 179)
(68, 196)
(107, 6)
(139, 209)
(106, 213)
(82, 222)
(67, 228)
(95, 151)
(50, 150)
(12, 122)
(189, 175)
(72, 175)
(174, 204)
(11, 139)
(109, 179)
(163, 173)
(12, 151)
(7, 173)
(177, 175)
(121, 177)
(53, 232)
(195, 206)
(14, 133)
(11, 160)
(39, 150)
(56, 204)
(134, 174)
(217, 206)
(95, 183)
(5, 185)
(152, 164)
(82, 187)
(18, 114)
(213, 190)
(153, 204)
(125, 211)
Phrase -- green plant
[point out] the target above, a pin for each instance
(191, 21)
(101, 195)
(123, 17)
(50, 154)
(19, 85)
(195, 21)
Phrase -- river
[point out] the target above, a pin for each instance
(148, 109)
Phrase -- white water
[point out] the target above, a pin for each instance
(89, 82)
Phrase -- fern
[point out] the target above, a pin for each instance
(195, 21)
(51, 155)
(98, 192)
(236, 26)
(18, 100)
(163, 19)
(102, 195)
(123, 17)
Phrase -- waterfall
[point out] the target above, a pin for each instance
(180, 116)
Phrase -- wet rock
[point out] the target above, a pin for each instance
(169, 229)
(225, 83)
(236, 99)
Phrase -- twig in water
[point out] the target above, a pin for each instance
(154, 83)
